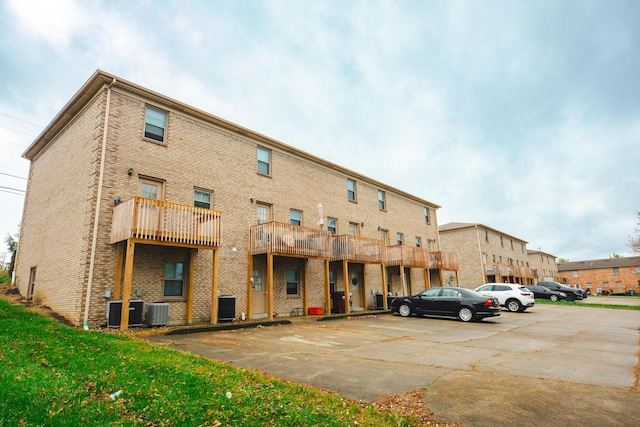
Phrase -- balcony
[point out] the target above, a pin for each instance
(408, 256)
(357, 249)
(280, 238)
(443, 260)
(162, 222)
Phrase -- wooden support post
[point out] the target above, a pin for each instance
(214, 287)
(190, 272)
(384, 287)
(126, 291)
(305, 293)
(327, 288)
(402, 281)
(427, 283)
(347, 288)
(250, 287)
(364, 286)
(117, 280)
(270, 285)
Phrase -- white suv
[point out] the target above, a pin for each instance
(512, 296)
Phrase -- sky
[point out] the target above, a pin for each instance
(523, 116)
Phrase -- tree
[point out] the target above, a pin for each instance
(12, 245)
(561, 260)
(614, 255)
(634, 242)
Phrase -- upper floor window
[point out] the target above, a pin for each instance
(616, 270)
(381, 200)
(351, 190)
(295, 217)
(501, 242)
(400, 238)
(426, 215)
(264, 161)
(511, 244)
(384, 235)
(575, 273)
(332, 225)
(154, 124)
(353, 229)
(486, 236)
(418, 242)
(202, 199)
(263, 213)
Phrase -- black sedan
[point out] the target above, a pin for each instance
(465, 304)
(546, 293)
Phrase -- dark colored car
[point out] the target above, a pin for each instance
(572, 293)
(546, 293)
(465, 304)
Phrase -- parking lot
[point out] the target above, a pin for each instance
(551, 365)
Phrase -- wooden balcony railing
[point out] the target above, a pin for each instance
(162, 221)
(288, 239)
(443, 260)
(408, 256)
(356, 248)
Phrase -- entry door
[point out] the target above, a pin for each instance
(258, 293)
(150, 215)
(354, 288)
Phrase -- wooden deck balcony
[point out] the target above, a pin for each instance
(280, 238)
(443, 260)
(162, 222)
(408, 256)
(346, 247)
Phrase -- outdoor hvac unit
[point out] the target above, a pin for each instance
(114, 313)
(157, 314)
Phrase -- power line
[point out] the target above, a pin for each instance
(23, 121)
(18, 131)
(14, 143)
(10, 190)
(14, 176)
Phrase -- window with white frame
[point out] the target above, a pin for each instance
(418, 242)
(351, 190)
(263, 213)
(202, 199)
(382, 200)
(332, 225)
(264, 161)
(353, 229)
(173, 279)
(426, 215)
(154, 124)
(399, 238)
(293, 285)
(295, 217)
(616, 270)
(575, 273)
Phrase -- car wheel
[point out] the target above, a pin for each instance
(514, 305)
(465, 314)
(570, 297)
(404, 310)
(553, 297)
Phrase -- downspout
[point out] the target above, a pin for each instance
(96, 218)
(482, 266)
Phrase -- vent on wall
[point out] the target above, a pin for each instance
(114, 313)
(157, 314)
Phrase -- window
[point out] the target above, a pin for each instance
(399, 238)
(511, 244)
(332, 225)
(381, 200)
(351, 190)
(589, 285)
(501, 242)
(426, 215)
(353, 229)
(616, 270)
(154, 124)
(32, 282)
(384, 236)
(263, 213)
(295, 217)
(332, 281)
(486, 236)
(174, 279)
(292, 282)
(149, 190)
(575, 273)
(493, 256)
(605, 284)
(202, 199)
(264, 161)
(618, 284)
(418, 242)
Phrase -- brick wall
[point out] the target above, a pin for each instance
(604, 279)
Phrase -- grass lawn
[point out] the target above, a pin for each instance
(587, 304)
(55, 375)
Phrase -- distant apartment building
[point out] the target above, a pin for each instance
(610, 276)
(486, 255)
(544, 266)
(133, 195)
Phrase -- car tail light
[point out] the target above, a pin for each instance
(488, 303)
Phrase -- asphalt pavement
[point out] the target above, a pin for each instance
(551, 365)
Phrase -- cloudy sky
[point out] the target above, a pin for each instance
(520, 115)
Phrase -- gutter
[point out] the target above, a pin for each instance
(94, 240)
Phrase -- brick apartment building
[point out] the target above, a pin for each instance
(486, 255)
(544, 265)
(611, 276)
(133, 195)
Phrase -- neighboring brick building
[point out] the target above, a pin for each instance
(132, 194)
(486, 255)
(544, 266)
(616, 276)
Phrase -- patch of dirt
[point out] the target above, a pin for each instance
(12, 294)
(413, 404)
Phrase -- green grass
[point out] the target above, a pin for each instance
(54, 375)
(4, 277)
(587, 304)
